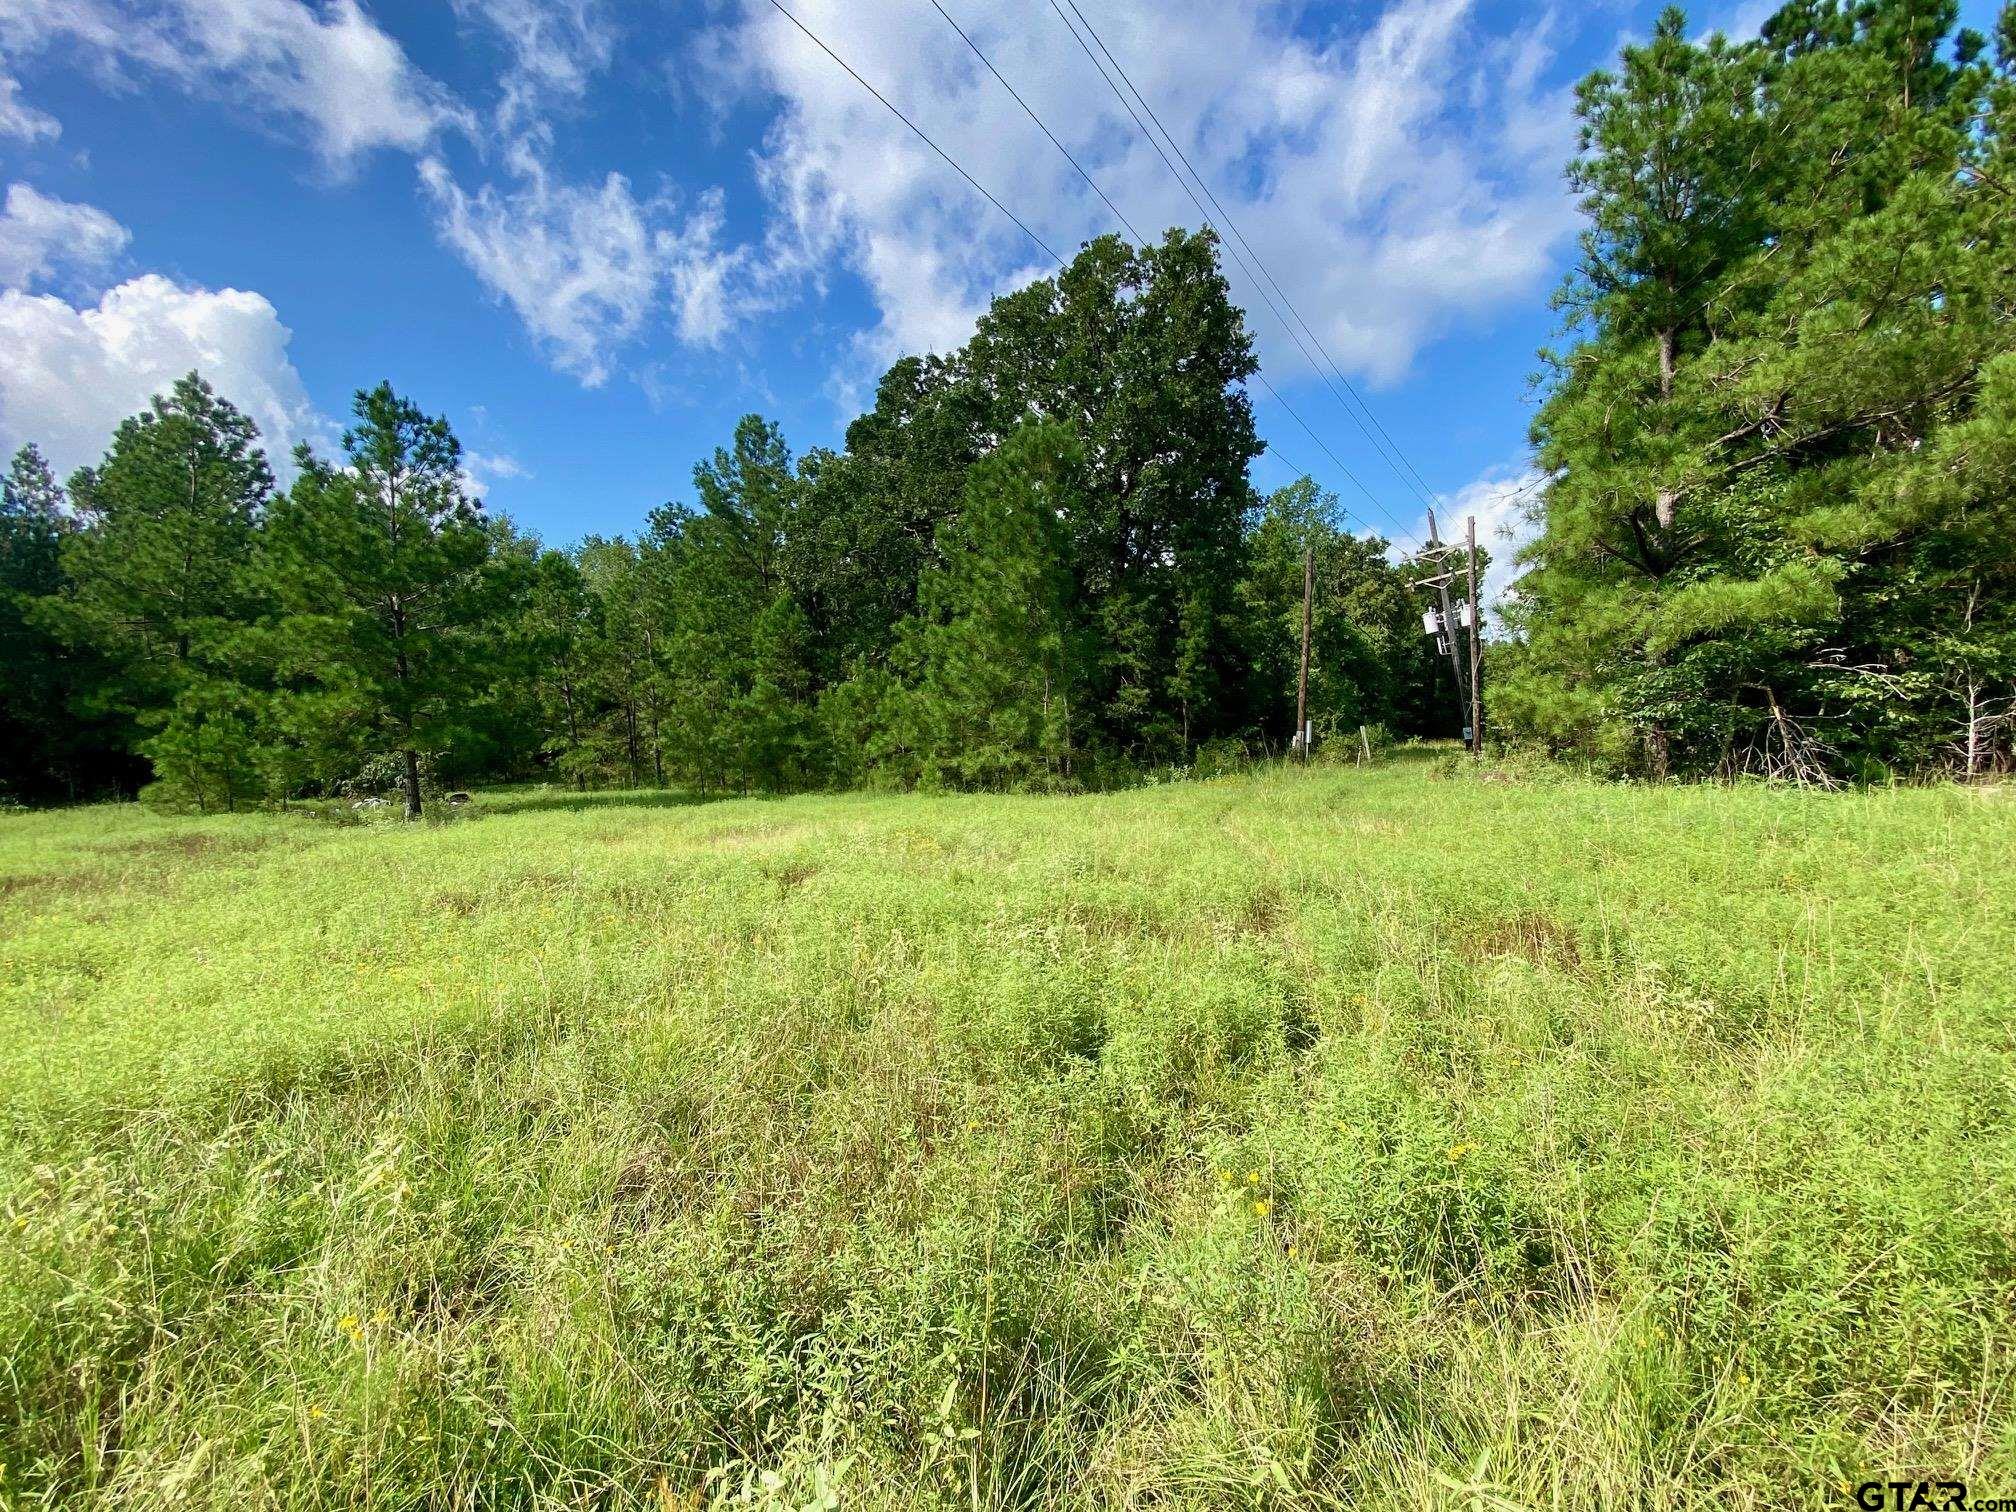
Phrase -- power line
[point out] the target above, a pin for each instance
(1119, 214)
(1335, 460)
(1184, 184)
(814, 38)
(1418, 483)
(919, 130)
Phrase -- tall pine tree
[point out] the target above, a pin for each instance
(382, 574)
(999, 696)
(1785, 549)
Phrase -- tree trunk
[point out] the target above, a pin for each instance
(1302, 679)
(1662, 503)
(412, 759)
(630, 735)
(573, 733)
(1658, 752)
(1973, 729)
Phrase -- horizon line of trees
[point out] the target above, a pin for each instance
(1037, 562)
(1777, 536)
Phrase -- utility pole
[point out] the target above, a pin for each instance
(1302, 684)
(1449, 626)
(1476, 659)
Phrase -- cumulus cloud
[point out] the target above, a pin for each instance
(20, 120)
(1399, 173)
(1400, 178)
(41, 236)
(74, 372)
(328, 68)
(483, 471)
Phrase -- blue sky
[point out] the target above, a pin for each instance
(595, 232)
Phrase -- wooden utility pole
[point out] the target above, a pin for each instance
(1449, 625)
(1302, 683)
(1476, 659)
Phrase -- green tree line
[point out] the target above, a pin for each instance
(1779, 532)
(1037, 562)
(1776, 533)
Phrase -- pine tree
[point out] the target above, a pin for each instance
(725, 563)
(168, 518)
(1789, 554)
(780, 738)
(1001, 653)
(159, 581)
(622, 656)
(35, 722)
(383, 575)
(558, 625)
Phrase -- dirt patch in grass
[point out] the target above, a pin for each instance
(1100, 920)
(790, 878)
(188, 847)
(45, 886)
(1266, 912)
(1527, 936)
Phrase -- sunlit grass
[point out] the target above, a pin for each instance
(1391, 1138)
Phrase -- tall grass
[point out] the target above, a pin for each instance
(1377, 1138)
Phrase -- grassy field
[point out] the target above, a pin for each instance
(1393, 1138)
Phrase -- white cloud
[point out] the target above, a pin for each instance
(589, 266)
(483, 471)
(557, 47)
(41, 235)
(1400, 179)
(586, 266)
(327, 67)
(1503, 502)
(1742, 21)
(73, 373)
(19, 119)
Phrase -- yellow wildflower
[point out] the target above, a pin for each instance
(1263, 1208)
(1458, 1151)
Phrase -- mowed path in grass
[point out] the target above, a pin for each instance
(1391, 1137)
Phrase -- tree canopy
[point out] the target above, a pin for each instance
(1777, 535)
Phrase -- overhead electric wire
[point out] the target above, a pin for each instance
(1118, 213)
(918, 129)
(1418, 482)
(1259, 287)
(920, 132)
(1121, 216)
